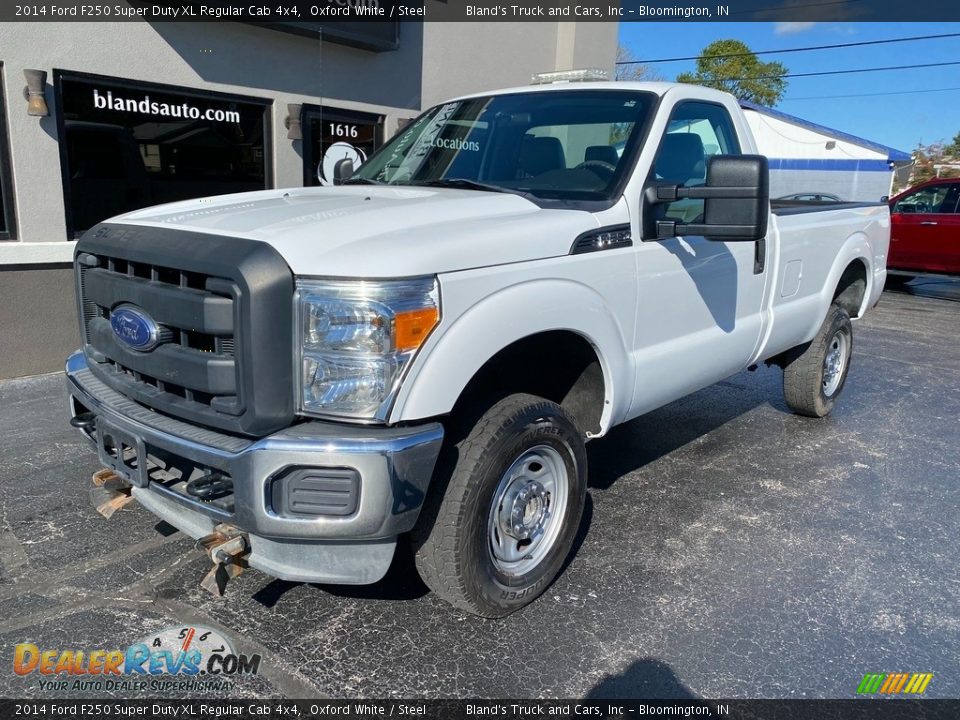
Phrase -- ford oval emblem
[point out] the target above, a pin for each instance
(134, 328)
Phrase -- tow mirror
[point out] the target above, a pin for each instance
(736, 201)
(342, 171)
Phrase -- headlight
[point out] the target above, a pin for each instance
(356, 339)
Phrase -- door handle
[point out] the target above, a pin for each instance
(759, 256)
(929, 222)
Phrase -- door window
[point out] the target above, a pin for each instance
(696, 131)
(935, 199)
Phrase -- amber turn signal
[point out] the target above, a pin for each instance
(412, 327)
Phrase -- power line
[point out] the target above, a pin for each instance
(794, 50)
(844, 72)
(900, 92)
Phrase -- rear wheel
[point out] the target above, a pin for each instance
(816, 373)
(505, 508)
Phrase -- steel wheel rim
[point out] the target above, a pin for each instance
(527, 510)
(835, 362)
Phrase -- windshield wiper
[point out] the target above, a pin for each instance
(362, 181)
(461, 184)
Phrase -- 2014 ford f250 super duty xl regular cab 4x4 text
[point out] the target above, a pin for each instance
(300, 376)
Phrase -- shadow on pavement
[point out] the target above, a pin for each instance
(666, 430)
(931, 286)
(646, 678)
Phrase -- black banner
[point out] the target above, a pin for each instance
(394, 11)
(499, 709)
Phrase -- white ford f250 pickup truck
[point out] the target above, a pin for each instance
(297, 377)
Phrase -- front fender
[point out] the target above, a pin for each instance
(456, 353)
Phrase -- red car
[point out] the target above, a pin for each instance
(925, 228)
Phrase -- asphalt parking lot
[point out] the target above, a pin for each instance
(729, 549)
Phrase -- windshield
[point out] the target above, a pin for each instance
(569, 145)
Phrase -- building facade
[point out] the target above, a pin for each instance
(144, 113)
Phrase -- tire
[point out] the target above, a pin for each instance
(814, 376)
(522, 459)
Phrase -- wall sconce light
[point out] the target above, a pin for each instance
(33, 93)
(292, 122)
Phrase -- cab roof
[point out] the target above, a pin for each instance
(658, 88)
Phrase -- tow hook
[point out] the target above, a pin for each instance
(84, 421)
(110, 492)
(228, 549)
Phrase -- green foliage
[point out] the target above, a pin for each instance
(744, 76)
(953, 149)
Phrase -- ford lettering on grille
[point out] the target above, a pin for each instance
(134, 328)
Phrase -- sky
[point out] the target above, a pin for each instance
(901, 117)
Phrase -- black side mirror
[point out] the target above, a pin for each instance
(342, 170)
(736, 201)
(884, 198)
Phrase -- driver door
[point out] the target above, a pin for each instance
(700, 302)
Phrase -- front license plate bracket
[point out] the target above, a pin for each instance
(123, 453)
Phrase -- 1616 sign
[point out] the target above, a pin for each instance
(333, 135)
(342, 130)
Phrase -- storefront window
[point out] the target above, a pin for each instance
(6, 183)
(331, 134)
(128, 145)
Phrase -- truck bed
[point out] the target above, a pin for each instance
(817, 241)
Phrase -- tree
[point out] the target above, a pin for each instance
(636, 71)
(730, 65)
(933, 161)
(953, 149)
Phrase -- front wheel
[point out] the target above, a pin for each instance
(505, 508)
(816, 373)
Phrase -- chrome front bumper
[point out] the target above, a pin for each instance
(394, 466)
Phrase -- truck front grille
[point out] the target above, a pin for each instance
(223, 308)
(178, 300)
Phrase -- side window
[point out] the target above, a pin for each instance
(696, 131)
(949, 204)
(932, 199)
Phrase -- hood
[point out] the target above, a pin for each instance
(375, 232)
